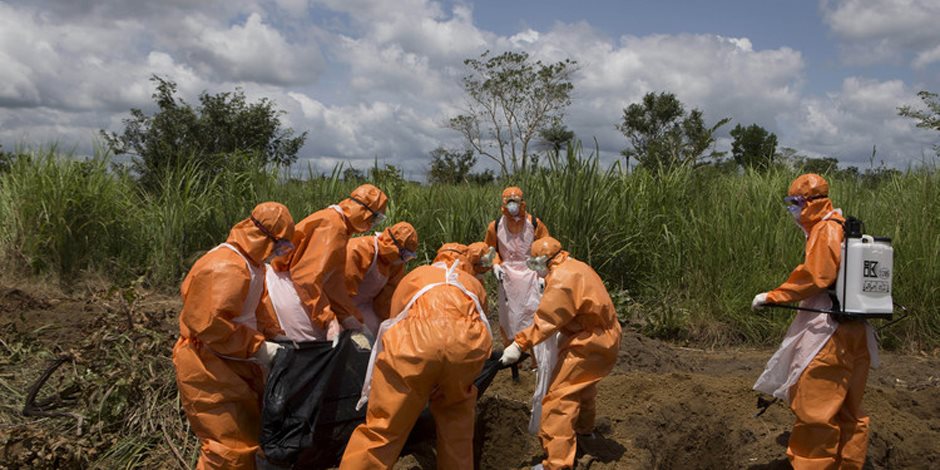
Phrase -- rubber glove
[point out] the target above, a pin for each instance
(511, 354)
(759, 301)
(362, 340)
(498, 272)
(265, 354)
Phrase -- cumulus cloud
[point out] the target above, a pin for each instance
(369, 81)
(877, 31)
(863, 113)
(722, 76)
(253, 52)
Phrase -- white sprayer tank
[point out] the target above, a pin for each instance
(865, 273)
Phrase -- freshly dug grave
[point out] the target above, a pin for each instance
(112, 402)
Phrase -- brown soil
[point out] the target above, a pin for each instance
(664, 406)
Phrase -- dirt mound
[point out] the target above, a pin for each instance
(638, 352)
(14, 300)
(686, 408)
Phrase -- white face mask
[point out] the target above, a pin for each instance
(513, 208)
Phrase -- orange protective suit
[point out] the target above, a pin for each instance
(576, 305)
(374, 267)
(432, 351)
(481, 256)
(317, 265)
(831, 430)
(512, 238)
(219, 386)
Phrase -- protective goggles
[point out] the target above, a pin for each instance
(378, 217)
(282, 246)
(540, 263)
(406, 254)
(800, 201)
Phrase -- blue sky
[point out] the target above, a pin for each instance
(370, 79)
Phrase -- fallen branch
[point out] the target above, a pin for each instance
(176, 452)
(32, 409)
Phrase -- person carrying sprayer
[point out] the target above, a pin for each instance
(519, 290)
(220, 357)
(432, 350)
(318, 267)
(374, 266)
(822, 365)
(577, 310)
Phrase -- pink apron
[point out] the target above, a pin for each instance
(290, 310)
(807, 335)
(519, 293)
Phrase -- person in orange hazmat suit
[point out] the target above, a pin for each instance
(220, 355)
(318, 266)
(512, 235)
(822, 365)
(374, 267)
(431, 350)
(576, 306)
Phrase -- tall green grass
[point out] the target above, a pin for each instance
(684, 252)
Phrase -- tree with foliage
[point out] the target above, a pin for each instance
(510, 100)
(753, 146)
(928, 118)
(664, 136)
(385, 173)
(222, 126)
(450, 167)
(822, 166)
(556, 137)
(353, 174)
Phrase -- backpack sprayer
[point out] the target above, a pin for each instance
(863, 286)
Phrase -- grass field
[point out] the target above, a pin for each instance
(683, 252)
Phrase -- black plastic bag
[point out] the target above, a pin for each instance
(310, 402)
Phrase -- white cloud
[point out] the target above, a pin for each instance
(927, 57)
(389, 77)
(863, 113)
(879, 31)
(252, 52)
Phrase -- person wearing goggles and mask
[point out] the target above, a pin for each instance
(518, 288)
(374, 266)
(221, 355)
(822, 365)
(318, 265)
(431, 351)
(576, 306)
